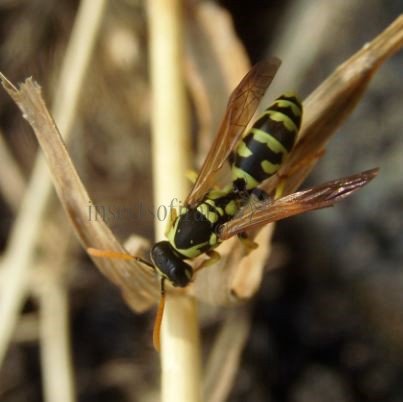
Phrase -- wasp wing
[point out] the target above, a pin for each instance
(241, 107)
(313, 198)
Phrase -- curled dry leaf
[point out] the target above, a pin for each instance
(332, 102)
(138, 284)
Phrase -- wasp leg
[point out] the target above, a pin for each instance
(158, 317)
(239, 188)
(116, 255)
(191, 175)
(280, 188)
(171, 219)
(248, 243)
(214, 257)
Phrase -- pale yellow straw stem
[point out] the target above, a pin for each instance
(171, 156)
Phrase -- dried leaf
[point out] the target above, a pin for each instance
(137, 283)
(223, 362)
(333, 101)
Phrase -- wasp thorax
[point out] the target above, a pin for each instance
(169, 263)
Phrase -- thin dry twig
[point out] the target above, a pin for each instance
(223, 361)
(10, 173)
(180, 349)
(333, 101)
(130, 276)
(23, 239)
(295, 32)
(49, 287)
(27, 329)
(211, 74)
(55, 339)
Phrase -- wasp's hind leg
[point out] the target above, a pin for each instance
(247, 242)
(214, 257)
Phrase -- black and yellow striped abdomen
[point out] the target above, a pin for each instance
(262, 150)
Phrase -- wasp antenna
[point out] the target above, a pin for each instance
(116, 255)
(158, 318)
(109, 254)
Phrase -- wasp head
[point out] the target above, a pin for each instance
(169, 263)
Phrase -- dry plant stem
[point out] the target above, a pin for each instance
(223, 362)
(332, 102)
(171, 150)
(211, 74)
(137, 282)
(20, 252)
(55, 342)
(295, 32)
(49, 285)
(10, 173)
(27, 329)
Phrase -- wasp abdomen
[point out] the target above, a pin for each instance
(262, 150)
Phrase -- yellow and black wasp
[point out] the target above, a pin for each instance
(211, 215)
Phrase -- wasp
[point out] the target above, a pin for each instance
(211, 215)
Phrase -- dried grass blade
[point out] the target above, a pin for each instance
(10, 173)
(56, 358)
(180, 347)
(23, 240)
(137, 283)
(333, 101)
(211, 75)
(223, 362)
